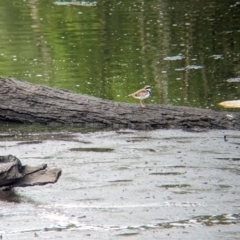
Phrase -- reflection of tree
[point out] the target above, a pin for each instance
(205, 31)
(40, 40)
(117, 46)
(161, 33)
(114, 65)
(161, 67)
(103, 79)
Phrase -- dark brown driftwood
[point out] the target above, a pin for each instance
(23, 102)
(14, 174)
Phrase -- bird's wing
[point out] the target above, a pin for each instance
(138, 93)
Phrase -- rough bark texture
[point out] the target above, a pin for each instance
(24, 102)
(14, 174)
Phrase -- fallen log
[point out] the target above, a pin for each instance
(24, 102)
(14, 174)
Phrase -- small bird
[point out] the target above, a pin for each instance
(142, 94)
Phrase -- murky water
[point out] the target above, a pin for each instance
(132, 184)
(125, 184)
(189, 52)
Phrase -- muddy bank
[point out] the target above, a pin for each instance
(162, 184)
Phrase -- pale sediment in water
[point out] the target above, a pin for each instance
(138, 184)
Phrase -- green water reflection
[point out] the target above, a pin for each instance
(186, 50)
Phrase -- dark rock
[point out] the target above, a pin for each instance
(14, 174)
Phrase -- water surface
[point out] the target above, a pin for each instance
(163, 184)
(188, 52)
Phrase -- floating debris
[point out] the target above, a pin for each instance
(180, 69)
(189, 67)
(193, 67)
(82, 3)
(232, 80)
(216, 56)
(174, 58)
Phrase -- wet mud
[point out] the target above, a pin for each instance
(163, 184)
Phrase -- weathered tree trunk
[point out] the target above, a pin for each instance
(14, 174)
(23, 102)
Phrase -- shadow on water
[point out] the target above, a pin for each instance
(91, 149)
(10, 196)
(229, 159)
(35, 133)
(13, 196)
(166, 173)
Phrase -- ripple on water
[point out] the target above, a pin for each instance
(206, 220)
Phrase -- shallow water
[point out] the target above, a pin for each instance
(188, 52)
(151, 185)
(125, 184)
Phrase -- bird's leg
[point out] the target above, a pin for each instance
(142, 105)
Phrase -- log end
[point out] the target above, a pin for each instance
(230, 104)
